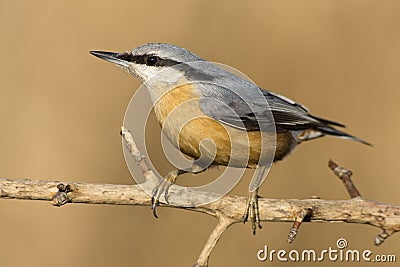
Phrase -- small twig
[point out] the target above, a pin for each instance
(300, 217)
(345, 176)
(134, 151)
(223, 224)
(379, 239)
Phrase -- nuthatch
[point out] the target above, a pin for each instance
(222, 101)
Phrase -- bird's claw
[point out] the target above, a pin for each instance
(162, 189)
(252, 211)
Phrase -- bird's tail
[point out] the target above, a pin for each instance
(328, 130)
(326, 127)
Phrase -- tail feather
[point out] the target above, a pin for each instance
(328, 122)
(334, 132)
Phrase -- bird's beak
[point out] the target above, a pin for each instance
(116, 58)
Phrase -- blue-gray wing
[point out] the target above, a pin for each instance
(249, 109)
(243, 111)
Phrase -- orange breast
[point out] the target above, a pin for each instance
(186, 126)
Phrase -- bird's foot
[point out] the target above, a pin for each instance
(163, 188)
(252, 211)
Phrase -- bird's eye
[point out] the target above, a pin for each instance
(151, 60)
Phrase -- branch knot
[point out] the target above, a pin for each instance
(61, 197)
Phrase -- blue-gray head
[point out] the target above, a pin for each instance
(148, 60)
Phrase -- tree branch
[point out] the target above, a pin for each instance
(355, 210)
(228, 209)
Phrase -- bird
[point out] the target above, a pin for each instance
(233, 112)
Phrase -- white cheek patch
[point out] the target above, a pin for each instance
(155, 76)
(143, 71)
(158, 80)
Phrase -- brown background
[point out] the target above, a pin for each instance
(61, 111)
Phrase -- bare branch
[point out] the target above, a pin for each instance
(227, 209)
(355, 210)
(345, 176)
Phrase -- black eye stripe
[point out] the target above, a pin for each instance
(126, 56)
(142, 59)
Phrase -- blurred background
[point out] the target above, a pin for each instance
(61, 110)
